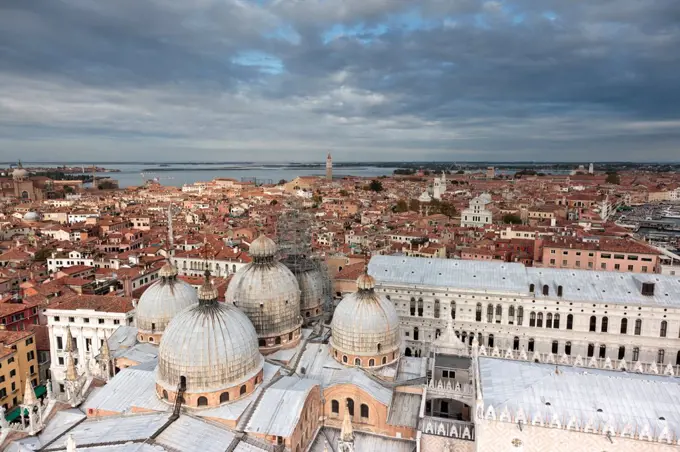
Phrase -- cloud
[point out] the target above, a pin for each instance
(366, 79)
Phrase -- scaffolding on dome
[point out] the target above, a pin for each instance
(294, 240)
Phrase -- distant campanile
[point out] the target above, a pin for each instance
(329, 167)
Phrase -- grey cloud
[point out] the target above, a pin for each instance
(523, 79)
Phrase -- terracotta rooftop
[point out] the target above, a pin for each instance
(102, 303)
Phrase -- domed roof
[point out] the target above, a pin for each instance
(262, 246)
(31, 216)
(311, 288)
(163, 300)
(365, 322)
(19, 173)
(267, 292)
(213, 345)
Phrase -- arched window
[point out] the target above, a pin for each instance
(415, 333)
(384, 359)
(407, 352)
(556, 321)
(638, 326)
(555, 346)
(546, 290)
(603, 351)
(490, 340)
(660, 356)
(559, 291)
(335, 407)
(371, 362)
(242, 390)
(350, 406)
(532, 319)
(224, 397)
(420, 307)
(520, 315)
(357, 361)
(480, 339)
(677, 359)
(499, 313)
(453, 310)
(202, 401)
(624, 325)
(277, 341)
(539, 321)
(364, 411)
(567, 349)
(413, 306)
(664, 328)
(261, 343)
(548, 320)
(183, 382)
(165, 394)
(478, 314)
(605, 324)
(593, 323)
(591, 350)
(570, 321)
(379, 347)
(436, 309)
(489, 313)
(515, 343)
(532, 288)
(531, 345)
(622, 352)
(344, 359)
(511, 315)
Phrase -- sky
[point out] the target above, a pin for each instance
(382, 80)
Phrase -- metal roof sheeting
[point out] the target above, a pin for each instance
(130, 387)
(602, 396)
(188, 434)
(280, 407)
(513, 278)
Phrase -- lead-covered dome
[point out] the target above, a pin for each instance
(31, 217)
(269, 294)
(19, 174)
(365, 327)
(161, 302)
(211, 348)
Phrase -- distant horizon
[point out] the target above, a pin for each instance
(322, 163)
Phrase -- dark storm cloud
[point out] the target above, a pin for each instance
(370, 79)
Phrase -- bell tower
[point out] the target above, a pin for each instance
(329, 167)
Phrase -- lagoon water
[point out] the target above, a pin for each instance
(178, 174)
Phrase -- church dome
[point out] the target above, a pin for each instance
(365, 327)
(212, 349)
(31, 216)
(269, 294)
(311, 292)
(161, 302)
(19, 173)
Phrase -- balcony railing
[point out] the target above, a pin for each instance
(448, 428)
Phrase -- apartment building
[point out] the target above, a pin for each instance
(617, 255)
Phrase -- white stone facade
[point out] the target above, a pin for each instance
(88, 329)
(500, 329)
(477, 214)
